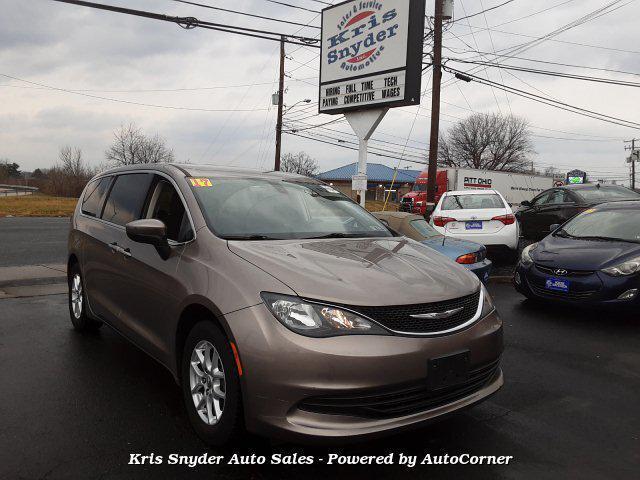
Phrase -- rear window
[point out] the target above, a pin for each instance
(472, 202)
(93, 196)
(424, 229)
(606, 193)
(127, 198)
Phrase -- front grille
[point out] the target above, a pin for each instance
(566, 295)
(406, 205)
(400, 400)
(398, 318)
(570, 273)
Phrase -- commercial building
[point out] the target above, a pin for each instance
(380, 178)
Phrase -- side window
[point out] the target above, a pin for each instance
(542, 199)
(558, 196)
(127, 198)
(93, 196)
(166, 205)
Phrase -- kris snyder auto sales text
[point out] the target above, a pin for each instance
(409, 461)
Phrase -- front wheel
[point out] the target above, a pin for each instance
(211, 385)
(78, 302)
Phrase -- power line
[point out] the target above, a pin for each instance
(161, 90)
(534, 60)
(484, 11)
(547, 101)
(245, 13)
(549, 73)
(98, 97)
(292, 6)
(192, 22)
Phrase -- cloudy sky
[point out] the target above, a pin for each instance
(71, 75)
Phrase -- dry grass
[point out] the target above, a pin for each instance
(37, 206)
(376, 206)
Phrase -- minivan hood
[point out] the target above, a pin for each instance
(362, 271)
(575, 254)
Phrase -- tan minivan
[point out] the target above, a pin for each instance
(279, 305)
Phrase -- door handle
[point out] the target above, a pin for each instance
(115, 248)
(126, 252)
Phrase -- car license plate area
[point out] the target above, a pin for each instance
(473, 225)
(448, 371)
(557, 284)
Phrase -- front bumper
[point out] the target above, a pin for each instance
(283, 371)
(595, 290)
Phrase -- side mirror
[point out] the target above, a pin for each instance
(152, 232)
(525, 203)
(554, 227)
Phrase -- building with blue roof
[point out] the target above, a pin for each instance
(379, 178)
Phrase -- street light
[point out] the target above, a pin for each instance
(306, 100)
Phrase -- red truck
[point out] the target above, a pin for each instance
(416, 200)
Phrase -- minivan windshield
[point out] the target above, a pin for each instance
(269, 209)
(623, 224)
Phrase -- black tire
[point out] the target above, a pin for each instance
(229, 427)
(80, 319)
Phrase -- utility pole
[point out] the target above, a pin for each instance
(280, 102)
(435, 103)
(633, 160)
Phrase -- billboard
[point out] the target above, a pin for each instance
(371, 54)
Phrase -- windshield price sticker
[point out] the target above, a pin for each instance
(200, 182)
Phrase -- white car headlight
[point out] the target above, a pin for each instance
(526, 259)
(625, 268)
(316, 319)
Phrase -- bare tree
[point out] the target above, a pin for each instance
(300, 163)
(131, 146)
(69, 176)
(488, 142)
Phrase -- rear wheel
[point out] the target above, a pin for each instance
(77, 302)
(211, 385)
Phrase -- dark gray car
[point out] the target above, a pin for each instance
(278, 304)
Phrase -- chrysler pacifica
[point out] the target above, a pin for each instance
(279, 305)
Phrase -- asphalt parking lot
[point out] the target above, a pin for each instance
(76, 406)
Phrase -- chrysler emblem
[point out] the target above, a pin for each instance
(560, 271)
(438, 315)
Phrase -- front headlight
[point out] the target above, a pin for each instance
(317, 320)
(626, 268)
(526, 259)
(487, 303)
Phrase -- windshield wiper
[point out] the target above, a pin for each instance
(608, 239)
(339, 235)
(250, 237)
(562, 233)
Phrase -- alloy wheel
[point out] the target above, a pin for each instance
(76, 296)
(207, 382)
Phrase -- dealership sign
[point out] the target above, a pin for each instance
(371, 54)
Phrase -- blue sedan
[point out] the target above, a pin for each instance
(469, 254)
(591, 260)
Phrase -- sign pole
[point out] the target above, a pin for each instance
(363, 123)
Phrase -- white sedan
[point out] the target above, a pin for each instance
(482, 216)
